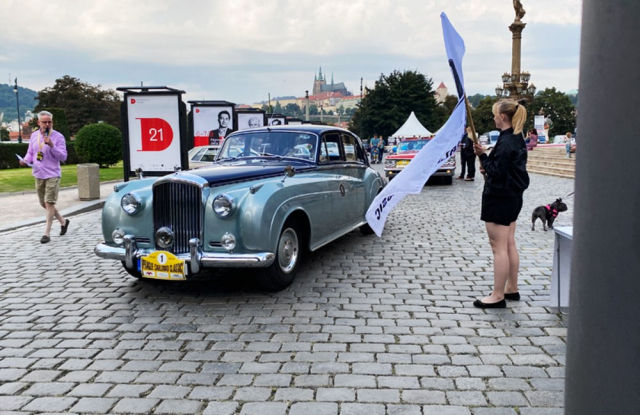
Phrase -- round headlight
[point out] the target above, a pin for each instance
(223, 205)
(118, 236)
(228, 241)
(164, 238)
(131, 203)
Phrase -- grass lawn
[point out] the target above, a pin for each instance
(19, 180)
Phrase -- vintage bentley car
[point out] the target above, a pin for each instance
(272, 194)
(407, 149)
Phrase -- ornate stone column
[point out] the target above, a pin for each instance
(516, 49)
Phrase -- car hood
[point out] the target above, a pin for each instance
(221, 173)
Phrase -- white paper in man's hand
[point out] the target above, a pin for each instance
(21, 159)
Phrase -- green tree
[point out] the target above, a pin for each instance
(4, 134)
(278, 108)
(555, 105)
(83, 103)
(99, 143)
(340, 110)
(292, 110)
(483, 115)
(386, 107)
(313, 110)
(474, 100)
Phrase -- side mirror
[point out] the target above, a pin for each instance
(289, 171)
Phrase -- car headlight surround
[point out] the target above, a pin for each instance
(131, 204)
(164, 237)
(223, 205)
(228, 241)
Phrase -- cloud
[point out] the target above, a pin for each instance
(241, 50)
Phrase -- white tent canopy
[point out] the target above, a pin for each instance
(412, 128)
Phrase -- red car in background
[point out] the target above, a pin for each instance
(407, 149)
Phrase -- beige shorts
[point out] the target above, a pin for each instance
(48, 190)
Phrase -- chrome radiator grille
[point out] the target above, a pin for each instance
(178, 206)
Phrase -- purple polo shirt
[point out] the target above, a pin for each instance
(49, 166)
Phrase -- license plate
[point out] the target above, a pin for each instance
(402, 162)
(162, 265)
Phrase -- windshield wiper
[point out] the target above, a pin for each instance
(227, 158)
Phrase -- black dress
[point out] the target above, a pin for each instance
(507, 179)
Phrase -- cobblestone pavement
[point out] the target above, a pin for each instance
(370, 326)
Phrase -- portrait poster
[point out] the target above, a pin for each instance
(153, 127)
(250, 119)
(276, 120)
(211, 124)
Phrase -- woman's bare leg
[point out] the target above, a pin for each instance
(514, 261)
(499, 239)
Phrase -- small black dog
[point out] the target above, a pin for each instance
(547, 214)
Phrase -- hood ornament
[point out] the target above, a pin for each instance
(289, 171)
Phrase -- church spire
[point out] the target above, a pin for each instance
(331, 77)
(320, 74)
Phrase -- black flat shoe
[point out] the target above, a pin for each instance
(512, 296)
(45, 239)
(63, 228)
(499, 304)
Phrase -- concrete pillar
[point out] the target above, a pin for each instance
(603, 356)
(88, 181)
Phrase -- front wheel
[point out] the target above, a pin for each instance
(282, 272)
(132, 271)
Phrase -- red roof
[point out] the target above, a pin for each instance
(442, 85)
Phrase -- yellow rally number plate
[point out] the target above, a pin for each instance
(402, 162)
(162, 265)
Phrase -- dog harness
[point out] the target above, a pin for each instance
(554, 212)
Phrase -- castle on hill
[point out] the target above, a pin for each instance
(320, 85)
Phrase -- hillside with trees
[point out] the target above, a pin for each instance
(27, 98)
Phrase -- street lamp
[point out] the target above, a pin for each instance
(307, 106)
(15, 89)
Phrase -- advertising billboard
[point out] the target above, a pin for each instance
(211, 124)
(154, 125)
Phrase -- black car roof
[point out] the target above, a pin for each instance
(310, 128)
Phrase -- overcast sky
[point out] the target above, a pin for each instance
(242, 50)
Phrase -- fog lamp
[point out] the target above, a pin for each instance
(118, 236)
(164, 238)
(228, 241)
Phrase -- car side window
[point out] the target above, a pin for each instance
(352, 149)
(198, 155)
(330, 151)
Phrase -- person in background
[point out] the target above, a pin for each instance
(380, 149)
(375, 142)
(47, 148)
(567, 144)
(467, 157)
(506, 180)
(533, 139)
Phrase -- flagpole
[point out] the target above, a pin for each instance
(474, 135)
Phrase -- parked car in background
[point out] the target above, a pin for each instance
(493, 139)
(406, 151)
(271, 195)
(202, 155)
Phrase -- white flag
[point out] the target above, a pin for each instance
(412, 178)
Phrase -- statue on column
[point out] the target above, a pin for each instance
(520, 12)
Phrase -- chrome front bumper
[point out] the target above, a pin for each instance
(196, 258)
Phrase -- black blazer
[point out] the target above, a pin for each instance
(506, 166)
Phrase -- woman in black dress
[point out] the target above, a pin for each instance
(506, 181)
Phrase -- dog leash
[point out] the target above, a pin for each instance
(569, 194)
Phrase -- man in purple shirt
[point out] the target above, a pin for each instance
(47, 149)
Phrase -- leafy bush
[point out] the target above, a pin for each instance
(99, 143)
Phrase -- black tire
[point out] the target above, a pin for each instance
(132, 271)
(366, 230)
(282, 272)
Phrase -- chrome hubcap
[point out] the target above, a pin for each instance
(288, 250)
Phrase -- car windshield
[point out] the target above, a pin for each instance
(276, 144)
(413, 145)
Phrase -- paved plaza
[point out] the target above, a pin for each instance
(371, 325)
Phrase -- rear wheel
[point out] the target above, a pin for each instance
(282, 272)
